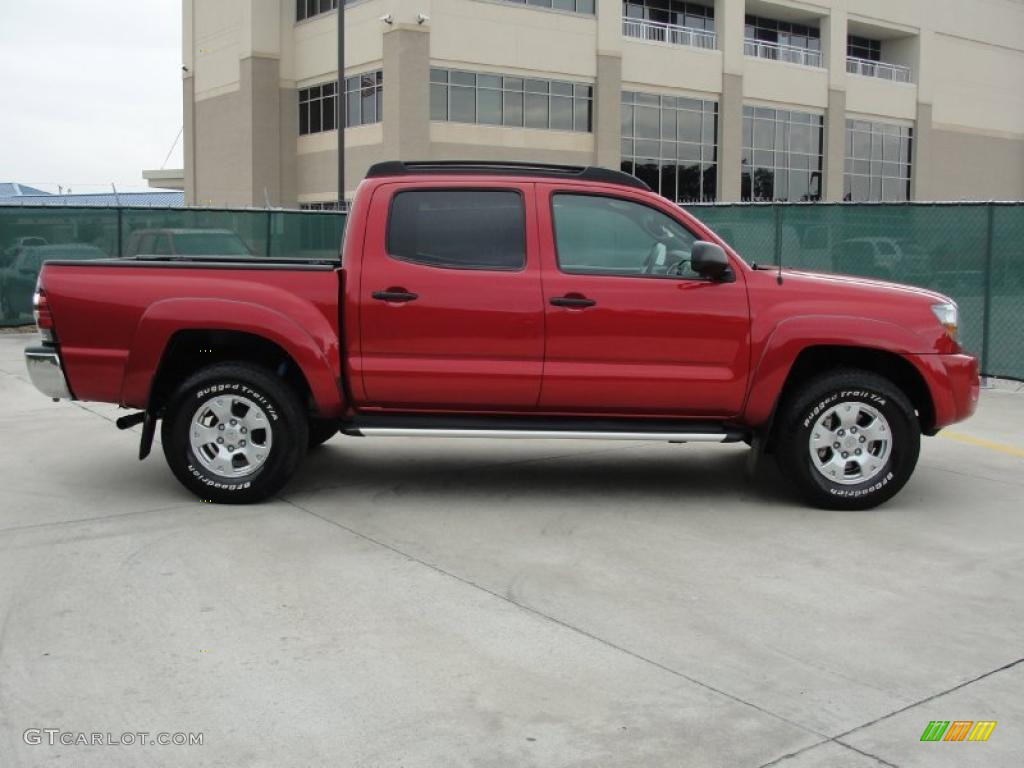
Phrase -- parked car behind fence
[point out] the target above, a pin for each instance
(18, 279)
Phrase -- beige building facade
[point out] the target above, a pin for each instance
(721, 100)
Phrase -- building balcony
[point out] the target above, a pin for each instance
(880, 69)
(792, 54)
(672, 34)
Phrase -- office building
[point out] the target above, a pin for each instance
(724, 100)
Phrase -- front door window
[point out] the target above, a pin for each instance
(597, 235)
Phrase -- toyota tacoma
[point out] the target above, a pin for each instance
(506, 301)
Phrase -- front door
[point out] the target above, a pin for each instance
(451, 312)
(630, 327)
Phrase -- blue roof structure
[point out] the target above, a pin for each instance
(11, 189)
(155, 199)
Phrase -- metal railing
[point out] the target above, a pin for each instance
(867, 68)
(673, 34)
(779, 52)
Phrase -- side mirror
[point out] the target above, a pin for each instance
(709, 260)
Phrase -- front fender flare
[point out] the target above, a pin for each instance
(792, 336)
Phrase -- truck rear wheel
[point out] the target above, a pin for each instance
(234, 433)
(848, 439)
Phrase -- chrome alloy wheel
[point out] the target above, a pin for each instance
(230, 436)
(850, 443)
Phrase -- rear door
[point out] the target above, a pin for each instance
(451, 312)
(630, 327)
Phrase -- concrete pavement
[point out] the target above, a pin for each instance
(450, 603)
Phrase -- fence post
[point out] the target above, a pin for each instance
(269, 228)
(778, 233)
(986, 317)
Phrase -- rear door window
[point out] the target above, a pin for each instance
(458, 229)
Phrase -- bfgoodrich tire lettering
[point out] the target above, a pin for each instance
(848, 439)
(255, 391)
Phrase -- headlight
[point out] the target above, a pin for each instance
(949, 316)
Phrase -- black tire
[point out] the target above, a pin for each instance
(286, 420)
(811, 402)
(320, 431)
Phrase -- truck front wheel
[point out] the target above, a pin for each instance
(234, 433)
(848, 439)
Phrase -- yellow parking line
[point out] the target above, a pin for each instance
(1000, 447)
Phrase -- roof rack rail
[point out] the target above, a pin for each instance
(490, 168)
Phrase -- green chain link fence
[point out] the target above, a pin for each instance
(30, 235)
(973, 252)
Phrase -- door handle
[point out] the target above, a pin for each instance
(574, 301)
(395, 294)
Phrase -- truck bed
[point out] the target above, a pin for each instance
(117, 316)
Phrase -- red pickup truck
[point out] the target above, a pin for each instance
(506, 300)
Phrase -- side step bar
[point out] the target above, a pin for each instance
(380, 425)
(540, 434)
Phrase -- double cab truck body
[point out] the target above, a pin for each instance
(507, 301)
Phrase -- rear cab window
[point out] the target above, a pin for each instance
(477, 229)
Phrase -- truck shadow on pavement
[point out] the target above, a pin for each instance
(464, 472)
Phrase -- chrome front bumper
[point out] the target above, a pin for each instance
(45, 371)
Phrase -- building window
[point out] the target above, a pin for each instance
(575, 6)
(676, 12)
(328, 205)
(863, 48)
(364, 99)
(671, 143)
(782, 33)
(877, 164)
(317, 108)
(486, 99)
(306, 8)
(782, 155)
(363, 103)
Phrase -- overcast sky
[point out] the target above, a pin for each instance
(90, 91)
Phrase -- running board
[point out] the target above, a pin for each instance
(380, 425)
(540, 434)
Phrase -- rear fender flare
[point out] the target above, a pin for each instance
(311, 346)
